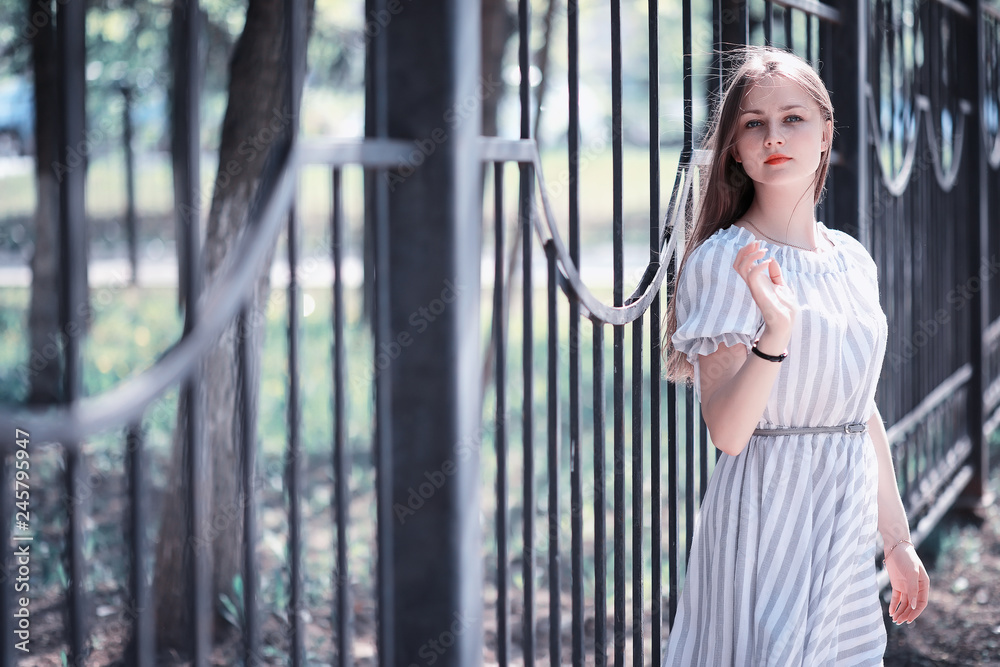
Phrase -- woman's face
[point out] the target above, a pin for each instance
(781, 133)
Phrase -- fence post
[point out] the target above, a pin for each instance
(432, 357)
(850, 189)
(131, 231)
(977, 495)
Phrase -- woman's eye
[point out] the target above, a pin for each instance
(753, 123)
(794, 118)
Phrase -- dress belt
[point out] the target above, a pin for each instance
(851, 428)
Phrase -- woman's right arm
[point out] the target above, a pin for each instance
(735, 384)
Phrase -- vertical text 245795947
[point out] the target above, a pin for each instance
(22, 538)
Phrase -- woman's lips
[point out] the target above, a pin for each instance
(777, 159)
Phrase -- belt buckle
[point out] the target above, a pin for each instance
(855, 428)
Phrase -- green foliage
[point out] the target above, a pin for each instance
(232, 609)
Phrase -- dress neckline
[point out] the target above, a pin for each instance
(790, 258)
(822, 230)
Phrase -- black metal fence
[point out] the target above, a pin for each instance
(598, 466)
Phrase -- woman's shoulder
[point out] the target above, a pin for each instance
(848, 243)
(724, 241)
(710, 264)
(853, 249)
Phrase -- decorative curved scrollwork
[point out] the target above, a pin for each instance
(896, 48)
(990, 64)
(915, 61)
(945, 104)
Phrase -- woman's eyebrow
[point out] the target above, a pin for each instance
(787, 107)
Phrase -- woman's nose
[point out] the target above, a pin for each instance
(774, 138)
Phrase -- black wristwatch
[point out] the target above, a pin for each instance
(768, 357)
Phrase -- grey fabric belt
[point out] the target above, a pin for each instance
(853, 427)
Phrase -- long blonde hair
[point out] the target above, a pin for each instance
(727, 191)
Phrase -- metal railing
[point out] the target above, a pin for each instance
(890, 185)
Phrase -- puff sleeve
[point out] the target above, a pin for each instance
(713, 304)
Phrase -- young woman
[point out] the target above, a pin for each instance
(776, 319)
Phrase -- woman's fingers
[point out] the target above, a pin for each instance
(910, 588)
(775, 273)
(894, 603)
(746, 257)
(918, 589)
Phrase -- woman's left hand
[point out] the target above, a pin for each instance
(910, 584)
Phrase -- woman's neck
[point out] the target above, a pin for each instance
(785, 220)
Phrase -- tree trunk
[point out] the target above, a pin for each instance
(43, 370)
(257, 120)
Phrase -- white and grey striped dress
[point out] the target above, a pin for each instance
(782, 566)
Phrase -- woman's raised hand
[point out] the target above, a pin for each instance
(767, 287)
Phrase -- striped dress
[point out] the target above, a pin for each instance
(782, 566)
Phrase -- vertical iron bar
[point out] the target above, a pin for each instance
(600, 506)
(500, 417)
(293, 461)
(524, 217)
(294, 38)
(786, 13)
(809, 39)
(576, 461)
(654, 319)
(691, 416)
(619, 332)
(555, 625)
(189, 212)
(248, 432)
(76, 507)
(528, 410)
(673, 558)
(768, 22)
(977, 492)
(686, 68)
(524, 65)
(342, 474)
(713, 87)
(70, 26)
(141, 602)
(131, 231)
(294, 44)
(656, 500)
(637, 491)
(383, 430)
(378, 89)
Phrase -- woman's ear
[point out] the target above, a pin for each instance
(827, 135)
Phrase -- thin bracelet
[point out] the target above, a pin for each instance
(889, 552)
(764, 355)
